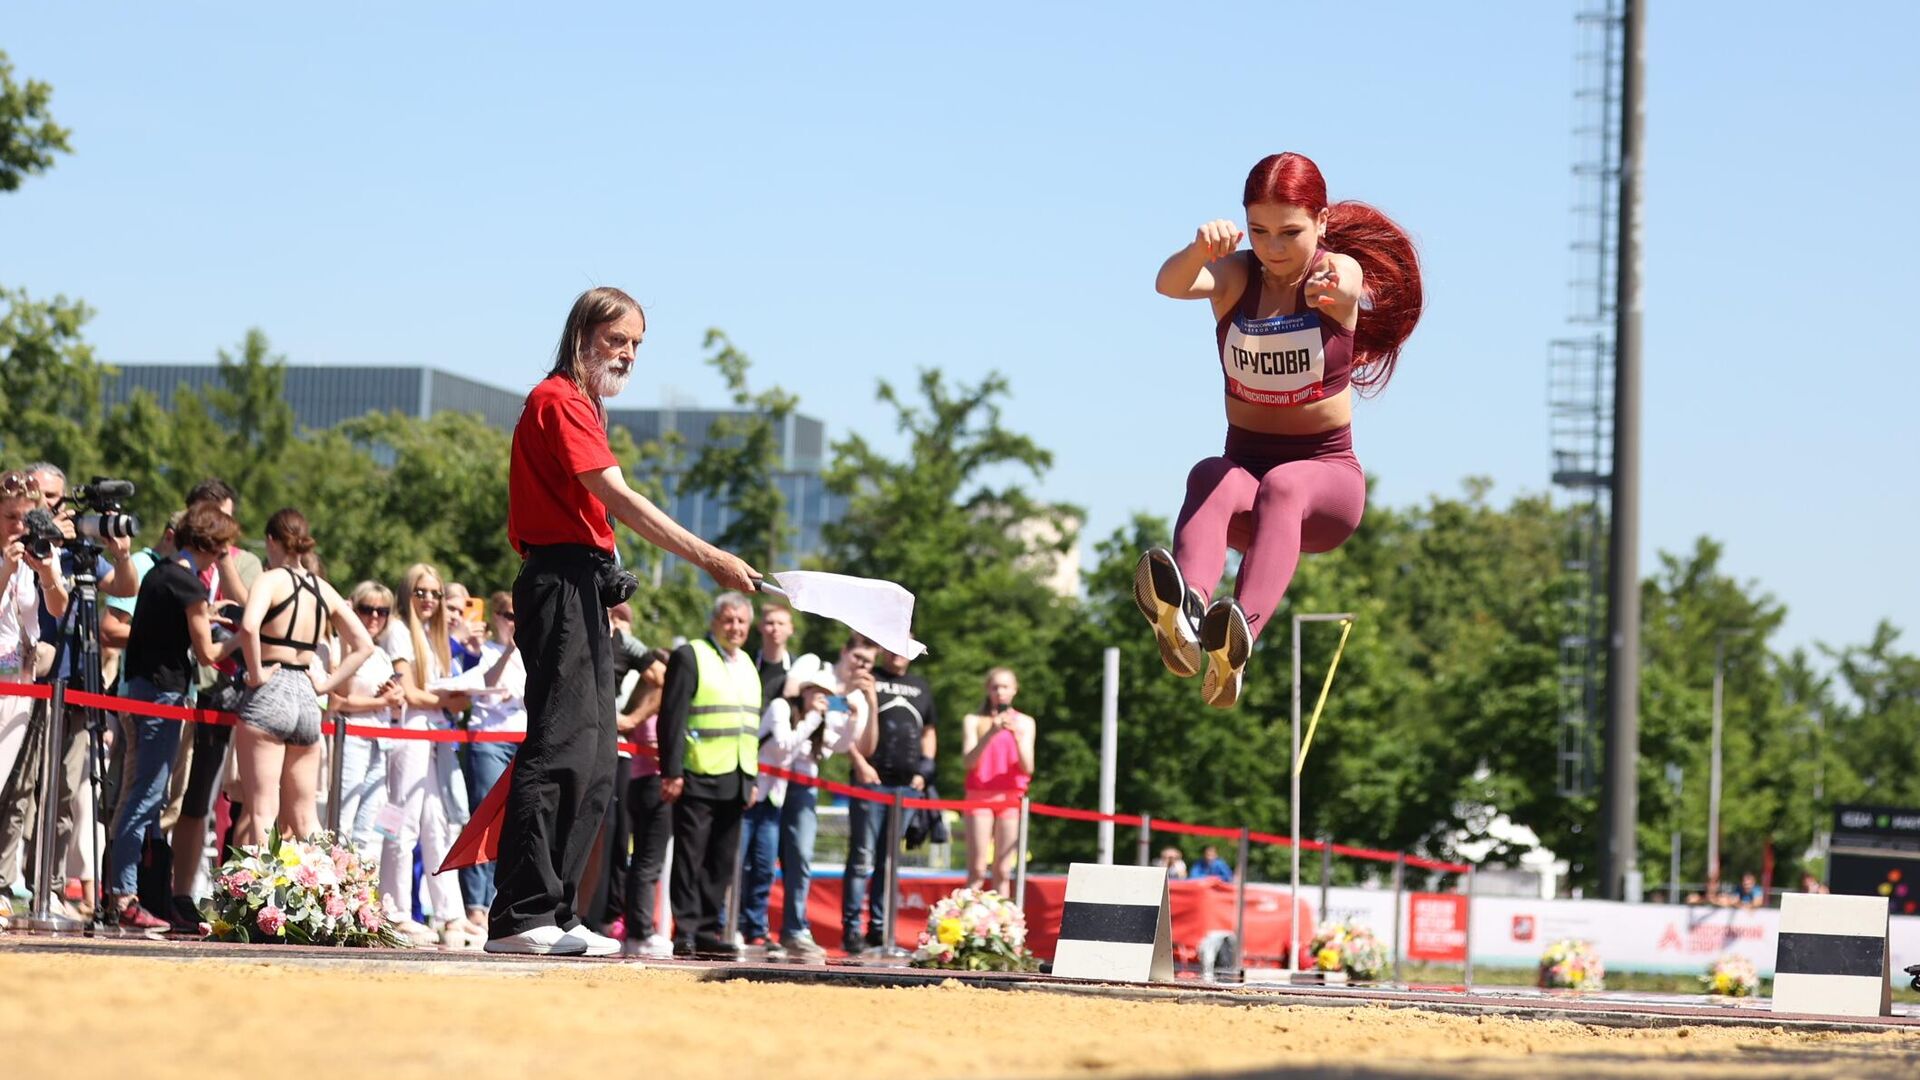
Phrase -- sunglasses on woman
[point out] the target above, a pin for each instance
(374, 612)
(16, 484)
(426, 594)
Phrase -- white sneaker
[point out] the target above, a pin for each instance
(595, 944)
(417, 933)
(658, 946)
(539, 941)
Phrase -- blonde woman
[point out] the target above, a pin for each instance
(278, 741)
(372, 697)
(998, 743)
(416, 792)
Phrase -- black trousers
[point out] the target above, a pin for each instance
(651, 819)
(563, 774)
(706, 845)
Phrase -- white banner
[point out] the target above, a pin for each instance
(1671, 939)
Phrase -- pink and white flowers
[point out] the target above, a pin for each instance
(306, 892)
(1348, 947)
(975, 930)
(1572, 965)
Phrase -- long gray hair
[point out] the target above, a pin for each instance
(602, 304)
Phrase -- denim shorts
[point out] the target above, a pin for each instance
(284, 707)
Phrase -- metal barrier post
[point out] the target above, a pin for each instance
(1326, 871)
(1020, 861)
(1399, 891)
(733, 896)
(337, 751)
(1240, 906)
(1146, 839)
(42, 915)
(894, 825)
(1469, 930)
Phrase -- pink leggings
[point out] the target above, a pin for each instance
(1271, 497)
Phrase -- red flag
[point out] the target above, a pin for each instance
(479, 842)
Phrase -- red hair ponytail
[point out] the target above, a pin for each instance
(1387, 259)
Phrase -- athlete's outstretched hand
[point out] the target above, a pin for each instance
(1323, 285)
(1217, 239)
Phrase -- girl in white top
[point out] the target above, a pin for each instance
(373, 697)
(420, 650)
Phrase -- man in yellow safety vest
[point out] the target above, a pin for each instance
(709, 731)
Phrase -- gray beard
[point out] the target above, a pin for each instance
(603, 382)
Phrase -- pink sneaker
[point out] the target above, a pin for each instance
(617, 929)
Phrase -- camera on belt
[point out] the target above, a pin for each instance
(107, 519)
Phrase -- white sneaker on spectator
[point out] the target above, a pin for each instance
(801, 947)
(658, 946)
(539, 941)
(416, 933)
(458, 935)
(596, 944)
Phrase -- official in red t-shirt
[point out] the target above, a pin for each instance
(563, 485)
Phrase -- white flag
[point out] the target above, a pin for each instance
(881, 610)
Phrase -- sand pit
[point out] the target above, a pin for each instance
(95, 1015)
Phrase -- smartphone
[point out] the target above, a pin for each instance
(837, 703)
(476, 609)
(232, 612)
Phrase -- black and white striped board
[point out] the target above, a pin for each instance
(1833, 957)
(1116, 925)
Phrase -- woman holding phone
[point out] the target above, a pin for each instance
(372, 697)
(998, 744)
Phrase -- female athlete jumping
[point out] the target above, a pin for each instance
(1320, 305)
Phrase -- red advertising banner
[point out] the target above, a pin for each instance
(1437, 928)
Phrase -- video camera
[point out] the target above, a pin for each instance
(108, 519)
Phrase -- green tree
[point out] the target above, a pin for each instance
(28, 136)
(739, 460)
(249, 403)
(50, 383)
(977, 557)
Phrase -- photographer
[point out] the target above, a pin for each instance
(23, 576)
(172, 629)
(53, 534)
(191, 804)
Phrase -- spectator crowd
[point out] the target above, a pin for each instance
(728, 733)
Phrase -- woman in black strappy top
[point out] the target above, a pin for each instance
(279, 735)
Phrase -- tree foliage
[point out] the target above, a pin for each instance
(738, 461)
(28, 136)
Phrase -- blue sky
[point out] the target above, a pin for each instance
(863, 191)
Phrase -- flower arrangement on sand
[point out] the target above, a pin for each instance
(315, 892)
(1572, 965)
(1732, 976)
(1347, 947)
(975, 930)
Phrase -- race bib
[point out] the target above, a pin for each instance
(1277, 361)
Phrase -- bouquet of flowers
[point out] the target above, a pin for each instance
(1348, 947)
(1732, 976)
(316, 892)
(1572, 965)
(975, 930)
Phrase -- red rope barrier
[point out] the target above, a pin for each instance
(84, 699)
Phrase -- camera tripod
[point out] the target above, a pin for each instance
(79, 637)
